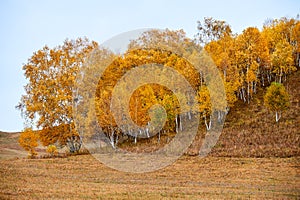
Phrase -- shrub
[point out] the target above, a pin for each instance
(28, 140)
(52, 150)
(276, 99)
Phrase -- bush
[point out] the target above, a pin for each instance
(28, 140)
(52, 150)
(276, 99)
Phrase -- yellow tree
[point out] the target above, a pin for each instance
(251, 54)
(282, 60)
(28, 140)
(222, 52)
(211, 30)
(276, 99)
(204, 105)
(48, 101)
(220, 43)
(296, 42)
(170, 103)
(144, 97)
(150, 48)
(282, 36)
(52, 150)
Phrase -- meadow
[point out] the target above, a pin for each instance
(84, 177)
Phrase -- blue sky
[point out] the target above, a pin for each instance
(27, 25)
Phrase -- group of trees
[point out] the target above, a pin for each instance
(253, 58)
(246, 61)
(142, 100)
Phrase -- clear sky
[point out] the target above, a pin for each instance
(27, 25)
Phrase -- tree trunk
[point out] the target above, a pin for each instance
(189, 115)
(147, 132)
(243, 94)
(208, 125)
(74, 144)
(180, 123)
(111, 138)
(248, 92)
(117, 140)
(298, 60)
(280, 75)
(278, 115)
(269, 77)
(158, 140)
(176, 124)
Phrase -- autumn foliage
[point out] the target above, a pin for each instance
(52, 150)
(246, 62)
(48, 101)
(277, 99)
(29, 140)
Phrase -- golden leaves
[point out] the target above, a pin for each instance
(276, 99)
(51, 74)
(28, 140)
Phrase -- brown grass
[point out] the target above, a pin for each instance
(83, 177)
(250, 130)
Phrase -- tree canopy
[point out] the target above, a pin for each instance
(246, 62)
(48, 101)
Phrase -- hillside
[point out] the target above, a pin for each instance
(251, 130)
(9, 147)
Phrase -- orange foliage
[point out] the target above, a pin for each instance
(28, 140)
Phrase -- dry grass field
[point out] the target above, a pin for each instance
(83, 177)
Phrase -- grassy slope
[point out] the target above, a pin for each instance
(9, 147)
(251, 130)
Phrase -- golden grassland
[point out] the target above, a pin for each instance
(84, 177)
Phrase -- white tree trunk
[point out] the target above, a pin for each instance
(280, 75)
(190, 116)
(248, 92)
(278, 116)
(111, 138)
(208, 125)
(180, 123)
(147, 132)
(135, 139)
(158, 140)
(176, 123)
